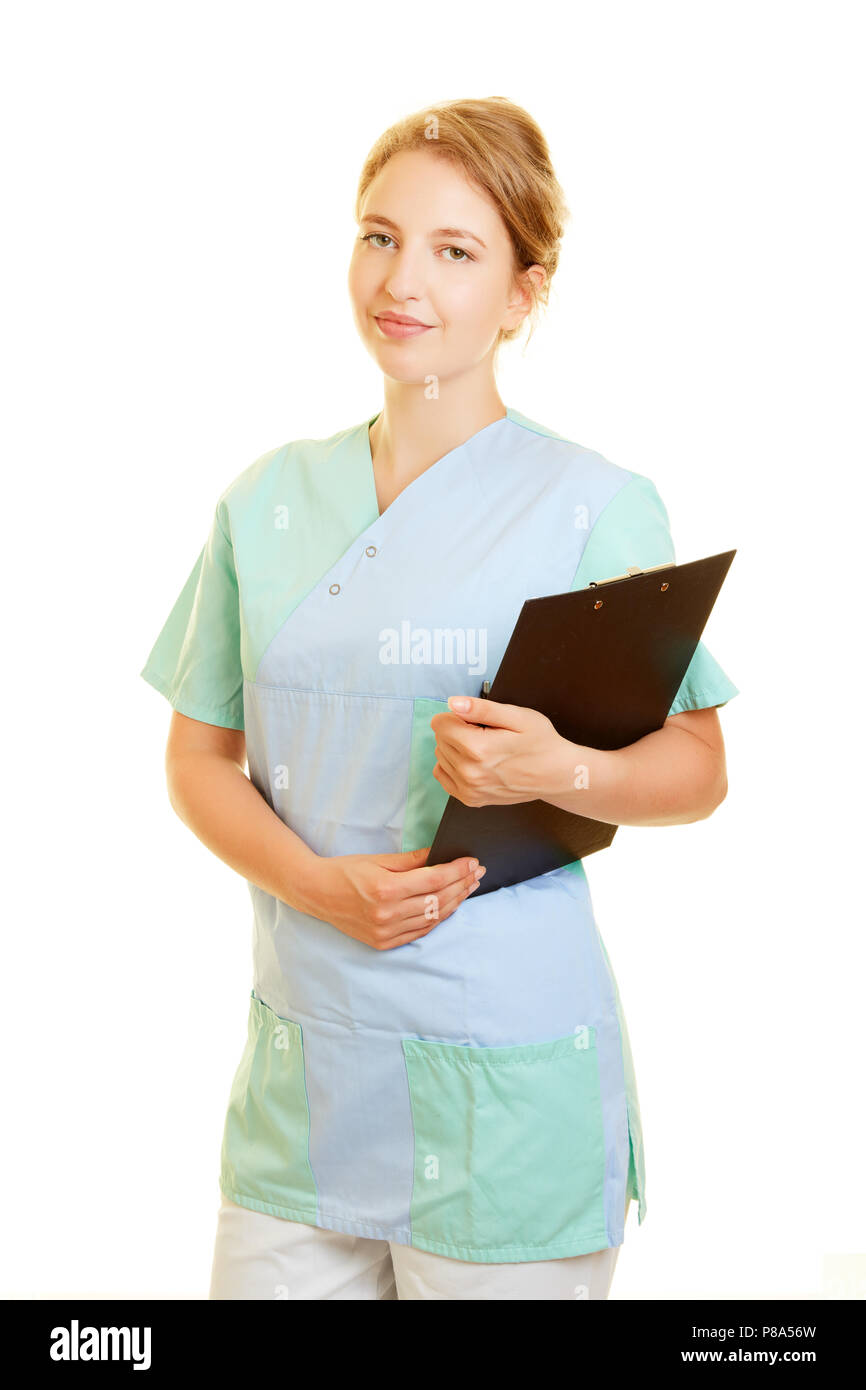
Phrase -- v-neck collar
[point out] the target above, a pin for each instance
(445, 459)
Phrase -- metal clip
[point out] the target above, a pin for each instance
(629, 574)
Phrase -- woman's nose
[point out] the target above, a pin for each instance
(406, 279)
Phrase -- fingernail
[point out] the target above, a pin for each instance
(472, 889)
(480, 874)
(473, 863)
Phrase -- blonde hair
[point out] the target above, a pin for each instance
(503, 152)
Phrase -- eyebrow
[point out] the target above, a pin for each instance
(439, 231)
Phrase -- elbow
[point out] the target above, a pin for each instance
(717, 795)
(173, 790)
(175, 785)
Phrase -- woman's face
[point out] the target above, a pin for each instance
(434, 249)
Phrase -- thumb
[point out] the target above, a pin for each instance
(474, 710)
(406, 859)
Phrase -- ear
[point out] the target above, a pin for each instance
(522, 295)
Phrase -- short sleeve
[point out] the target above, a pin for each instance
(633, 529)
(196, 659)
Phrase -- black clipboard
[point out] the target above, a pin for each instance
(604, 664)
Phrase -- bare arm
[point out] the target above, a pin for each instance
(673, 776)
(384, 900)
(490, 753)
(212, 794)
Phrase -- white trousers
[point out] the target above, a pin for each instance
(267, 1257)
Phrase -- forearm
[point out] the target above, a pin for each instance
(670, 777)
(213, 796)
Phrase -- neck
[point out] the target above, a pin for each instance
(412, 430)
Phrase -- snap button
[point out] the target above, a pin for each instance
(334, 589)
(371, 550)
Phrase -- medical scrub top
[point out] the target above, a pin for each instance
(471, 1093)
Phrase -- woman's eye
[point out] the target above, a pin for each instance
(377, 238)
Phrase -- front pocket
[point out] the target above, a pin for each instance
(265, 1149)
(509, 1148)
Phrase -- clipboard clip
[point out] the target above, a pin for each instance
(629, 574)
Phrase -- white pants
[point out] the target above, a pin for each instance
(259, 1256)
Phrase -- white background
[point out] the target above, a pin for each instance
(180, 181)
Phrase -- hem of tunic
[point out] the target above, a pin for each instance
(504, 1254)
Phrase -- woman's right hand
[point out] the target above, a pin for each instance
(386, 900)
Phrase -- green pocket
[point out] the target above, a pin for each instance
(509, 1148)
(265, 1149)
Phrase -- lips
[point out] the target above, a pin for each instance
(400, 325)
(402, 318)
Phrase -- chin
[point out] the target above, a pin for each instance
(405, 378)
(408, 370)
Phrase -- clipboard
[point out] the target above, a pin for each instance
(604, 664)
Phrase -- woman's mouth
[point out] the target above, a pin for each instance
(398, 327)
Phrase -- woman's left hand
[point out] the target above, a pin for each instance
(517, 757)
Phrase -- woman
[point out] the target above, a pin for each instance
(436, 1098)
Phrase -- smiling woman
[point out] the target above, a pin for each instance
(436, 1098)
